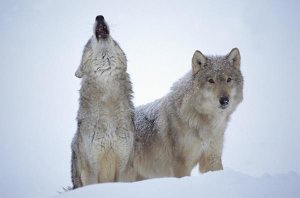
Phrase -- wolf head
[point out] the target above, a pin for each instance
(101, 53)
(218, 79)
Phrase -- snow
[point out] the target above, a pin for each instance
(227, 183)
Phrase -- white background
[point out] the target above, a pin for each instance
(41, 44)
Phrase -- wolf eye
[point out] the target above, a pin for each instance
(229, 79)
(211, 81)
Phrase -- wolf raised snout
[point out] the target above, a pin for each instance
(224, 102)
(101, 28)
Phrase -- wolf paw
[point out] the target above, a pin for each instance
(210, 164)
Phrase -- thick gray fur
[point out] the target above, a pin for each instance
(186, 127)
(102, 147)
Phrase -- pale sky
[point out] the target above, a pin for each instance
(41, 46)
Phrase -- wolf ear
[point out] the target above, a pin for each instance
(234, 58)
(86, 60)
(198, 61)
(79, 72)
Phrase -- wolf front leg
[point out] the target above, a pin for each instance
(211, 159)
(88, 177)
(87, 170)
(181, 171)
(181, 167)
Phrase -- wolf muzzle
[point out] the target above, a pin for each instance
(101, 28)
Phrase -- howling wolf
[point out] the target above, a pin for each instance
(102, 146)
(186, 127)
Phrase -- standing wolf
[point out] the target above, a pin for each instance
(186, 127)
(102, 146)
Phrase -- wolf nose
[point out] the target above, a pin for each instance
(224, 101)
(99, 18)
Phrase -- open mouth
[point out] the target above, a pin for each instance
(223, 106)
(101, 28)
(101, 31)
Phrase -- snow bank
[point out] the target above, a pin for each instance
(227, 183)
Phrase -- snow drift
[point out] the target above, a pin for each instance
(226, 183)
